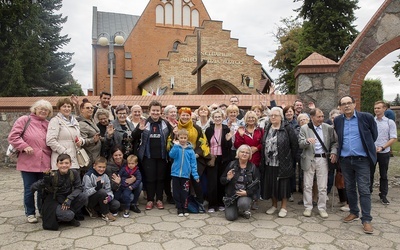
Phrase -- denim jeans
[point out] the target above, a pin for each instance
(240, 205)
(383, 161)
(128, 197)
(28, 179)
(356, 172)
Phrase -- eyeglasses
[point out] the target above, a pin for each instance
(346, 104)
(89, 108)
(122, 114)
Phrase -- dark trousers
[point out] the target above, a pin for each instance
(127, 197)
(215, 189)
(383, 161)
(180, 192)
(96, 200)
(331, 178)
(76, 206)
(167, 180)
(154, 170)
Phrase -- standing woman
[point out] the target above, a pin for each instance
(232, 111)
(63, 135)
(89, 131)
(34, 156)
(119, 132)
(153, 134)
(279, 151)
(102, 116)
(219, 139)
(203, 120)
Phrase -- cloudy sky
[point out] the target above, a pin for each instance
(251, 21)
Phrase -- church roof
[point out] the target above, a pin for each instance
(112, 22)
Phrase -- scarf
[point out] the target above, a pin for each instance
(193, 134)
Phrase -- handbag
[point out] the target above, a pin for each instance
(12, 152)
(82, 157)
(339, 180)
(330, 164)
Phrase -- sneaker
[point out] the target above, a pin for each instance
(345, 208)
(254, 206)
(247, 214)
(115, 214)
(282, 213)
(186, 213)
(75, 223)
(32, 219)
(159, 204)
(126, 214)
(350, 218)
(367, 228)
(271, 210)
(149, 205)
(221, 208)
(307, 212)
(180, 214)
(323, 213)
(291, 199)
(384, 200)
(211, 210)
(92, 213)
(135, 209)
(108, 217)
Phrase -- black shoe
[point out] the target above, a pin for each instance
(384, 200)
(79, 216)
(74, 223)
(170, 200)
(300, 202)
(135, 209)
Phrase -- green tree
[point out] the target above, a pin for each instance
(396, 68)
(371, 91)
(285, 56)
(327, 27)
(31, 62)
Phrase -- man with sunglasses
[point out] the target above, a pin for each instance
(357, 132)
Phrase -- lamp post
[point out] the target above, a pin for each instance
(116, 39)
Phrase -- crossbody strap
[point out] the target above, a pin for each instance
(311, 126)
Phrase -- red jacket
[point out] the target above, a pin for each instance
(253, 141)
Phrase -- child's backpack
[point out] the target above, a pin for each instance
(193, 206)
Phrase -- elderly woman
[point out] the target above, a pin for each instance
(251, 135)
(102, 116)
(63, 134)
(203, 119)
(199, 142)
(232, 111)
(89, 131)
(136, 115)
(238, 175)
(279, 151)
(219, 139)
(34, 156)
(119, 132)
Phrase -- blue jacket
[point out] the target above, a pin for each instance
(368, 132)
(184, 162)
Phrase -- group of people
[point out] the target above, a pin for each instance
(223, 156)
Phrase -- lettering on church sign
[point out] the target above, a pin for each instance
(208, 54)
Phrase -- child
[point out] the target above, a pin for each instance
(97, 187)
(126, 188)
(62, 194)
(184, 164)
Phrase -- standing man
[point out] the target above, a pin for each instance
(357, 132)
(234, 100)
(387, 135)
(104, 104)
(314, 159)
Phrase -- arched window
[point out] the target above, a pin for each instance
(175, 46)
(186, 16)
(169, 14)
(159, 14)
(195, 18)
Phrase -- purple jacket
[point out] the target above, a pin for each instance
(35, 137)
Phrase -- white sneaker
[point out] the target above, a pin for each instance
(345, 208)
(323, 213)
(271, 210)
(307, 212)
(282, 213)
(32, 219)
(221, 208)
(211, 210)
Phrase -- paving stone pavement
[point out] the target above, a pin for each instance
(163, 229)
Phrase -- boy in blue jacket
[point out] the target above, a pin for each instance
(183, 166)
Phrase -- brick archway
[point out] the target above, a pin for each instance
(379, 38)
(219, 87)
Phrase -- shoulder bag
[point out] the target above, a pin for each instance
(12, 152)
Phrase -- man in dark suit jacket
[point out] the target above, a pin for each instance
(357, 132)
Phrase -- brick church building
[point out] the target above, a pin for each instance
(160, 52)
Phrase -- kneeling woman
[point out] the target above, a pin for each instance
(241, 183)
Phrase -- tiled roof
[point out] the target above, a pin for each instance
(112, 22)
(10, 104)
(317, 59)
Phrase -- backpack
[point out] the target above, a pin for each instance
(193, 206)
(51, 181)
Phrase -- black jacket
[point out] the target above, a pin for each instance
(225, 145)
